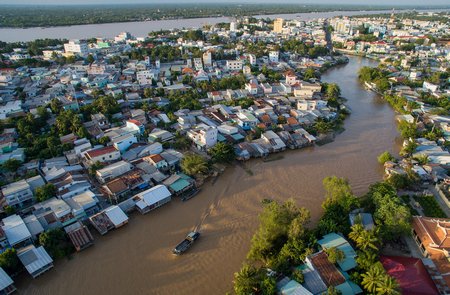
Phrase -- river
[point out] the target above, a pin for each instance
(141, 29)
(137, 259)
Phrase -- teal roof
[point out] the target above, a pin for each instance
(184, 176)
(349, 288)
(237, 136)
(221, 138)
(179, 185)
(294, 288)
(331, 240)
(335, 240)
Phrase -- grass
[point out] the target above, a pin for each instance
(430, 206)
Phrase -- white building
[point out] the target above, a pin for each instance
(274, 56)
(77, 47)
(112, 171)
(203, 136)
(207, 58)
(233, 26)
(9, 108)
(252, 59)
(146, 77)
(234, 65)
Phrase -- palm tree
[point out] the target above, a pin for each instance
(365, 260)
(373, 277)
(194, 164)
(357, 229)
(246, 280)
(388, 286)
(368, 240)
(365, 239)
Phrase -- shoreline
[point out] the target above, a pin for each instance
(258, 15)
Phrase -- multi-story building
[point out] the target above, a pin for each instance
(207, 58)
(234, 65)
(77, 47)
(278, 25)
(203, 136)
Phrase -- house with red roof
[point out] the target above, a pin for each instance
(411, 274)
(102, 155)
(432, 235)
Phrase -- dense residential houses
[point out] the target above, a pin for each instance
(136, 108)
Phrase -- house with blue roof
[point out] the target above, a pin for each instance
(334, 240)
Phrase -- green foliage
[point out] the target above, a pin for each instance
(391, 215)
(337, 205)
(297, 275)
(335, 255)
(45, 192)
(222, 153)
(377, 281)
(9, 210)
(430, 206)
(12, 165)
(309, 73)
(333, 291)
(407, 130)
(193, 164)
(9, 261)
(250, 280)
(385, 157)
(282, 234)
(369, 74)
(399, 181)
(366, 240)
(56, 243)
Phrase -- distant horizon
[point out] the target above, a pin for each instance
(345, 3)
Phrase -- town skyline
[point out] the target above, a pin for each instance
(398, 3)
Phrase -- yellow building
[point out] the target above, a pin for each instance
(278, 25)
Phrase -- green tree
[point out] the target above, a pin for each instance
(373, 277)
(310, 73)
(12, 165)
(104, 140)
(365, 239)
(10, 210)
(246, 281)
(297, 275)
(55, 242)
(222, 153)
(193, 164)
(385, 157)
(9, 261)
(45, 192)
(90, 59)
(277, 226)
(388, 286)
(335, 255)
(56, 105)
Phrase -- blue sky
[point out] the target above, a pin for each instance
(360, 2)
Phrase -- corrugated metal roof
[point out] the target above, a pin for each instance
(34, 259)
(116, 215)
(15, 229)
(155, 194)
(5, 280)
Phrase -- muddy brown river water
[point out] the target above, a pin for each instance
(137, 259)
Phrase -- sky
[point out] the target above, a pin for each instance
(357, 2)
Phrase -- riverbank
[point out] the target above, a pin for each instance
(35, 16)
(227, 211)
(142, 28)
